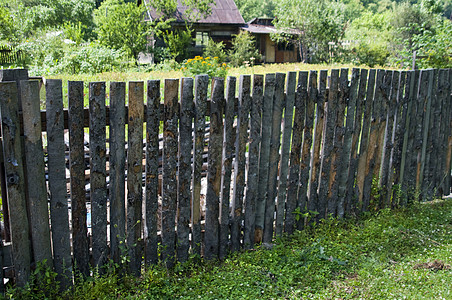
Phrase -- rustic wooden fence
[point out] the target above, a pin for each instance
(286, 152)
(9, 55)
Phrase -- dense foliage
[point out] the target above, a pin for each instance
(70, 35)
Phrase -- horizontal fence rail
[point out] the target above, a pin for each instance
(182, 173)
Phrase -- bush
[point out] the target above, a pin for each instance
(243, 50)
(371, 54)
(178, 43)
(214, 49)
(199, 65)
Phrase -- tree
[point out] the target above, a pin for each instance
(121, 25)
(243, 49)
(250, 9)
(319, 23)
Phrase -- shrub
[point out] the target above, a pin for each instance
(200, 65)
(214, 49)
(371, 54)
(243, 49)
(178, 43)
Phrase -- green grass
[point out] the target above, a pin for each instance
(398, 254)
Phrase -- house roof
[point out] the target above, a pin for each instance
(262, 26)
(223, 12)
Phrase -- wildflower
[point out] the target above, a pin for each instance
(216, 57)
(208, 57)
(204, 62)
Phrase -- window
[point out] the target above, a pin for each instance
(202, 37)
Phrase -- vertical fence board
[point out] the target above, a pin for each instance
(253, 161)
(409, 175)
(80, 246)
(338, 143)
(373, 141)
(240, 160)
(57, 183)
(201, 83)
(443, 93)
(327, 149)
(15, 182)
(169, 189)
(214, 169)
(285, 151)
(305, 164)
(135, 175)
(365, 135)
(185, 147)
(152, 170)
(98, 185)
(228, 148)
(386, 164)
(301, 97)
(264, 154)
(275, 141)
(426, 132)
(34, 163)
(317, 141)
(351, 196)
(399, 137)
(117, 162)
(345, 155)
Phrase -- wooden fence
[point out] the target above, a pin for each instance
(289, 150)
(8, 55)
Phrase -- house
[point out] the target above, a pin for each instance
(271, 51)
(224, 22)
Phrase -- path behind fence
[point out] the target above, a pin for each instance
(286, 151)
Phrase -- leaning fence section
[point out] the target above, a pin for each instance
(157, 177)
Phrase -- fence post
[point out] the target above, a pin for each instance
(15, 181)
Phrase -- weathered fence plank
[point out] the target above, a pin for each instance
(185, 147)
(275, 141)
(57, 183)
(443, 91)
(201, 83)
(305, 164)
(228, 150)
(373, 142)
(117, 163)
(240, 161)
(169, 178)
(152, 165)
(399, 137)
(317, 141)
(328, 136)
(214, 169)
(264, 154)
(17, 207)
(252, 192)
(34, 163)
(364, 143)
(134, 215)
(345, 155)
(351, 195)
(80, 245)
(285, 151)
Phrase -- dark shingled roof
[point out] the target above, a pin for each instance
(223, 12)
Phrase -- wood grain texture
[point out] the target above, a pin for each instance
(152, 116)
(80, 243)
(134, 214)
(214, 161)
(59, 214)
(15, 182)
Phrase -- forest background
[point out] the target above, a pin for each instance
(94, 36)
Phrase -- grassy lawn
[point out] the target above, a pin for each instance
(401, 254)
